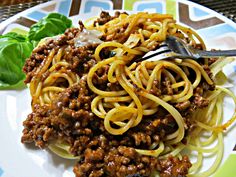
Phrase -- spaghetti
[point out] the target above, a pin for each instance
(129, 100)
(51, 77)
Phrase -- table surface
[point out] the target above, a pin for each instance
(9, 8)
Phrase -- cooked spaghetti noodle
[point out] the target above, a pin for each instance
(127, 95)
(51, 77)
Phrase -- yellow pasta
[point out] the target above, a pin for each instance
(137, 96)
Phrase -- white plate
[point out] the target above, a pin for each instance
(18, 160)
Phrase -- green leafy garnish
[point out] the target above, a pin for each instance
(49, 26)
(14, 49)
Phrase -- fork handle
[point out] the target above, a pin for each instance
(214, 53)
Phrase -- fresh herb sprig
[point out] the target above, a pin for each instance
(16, 48)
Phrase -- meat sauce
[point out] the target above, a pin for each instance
(70, 119)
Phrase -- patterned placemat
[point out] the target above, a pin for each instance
(6, 11)
(226, 7)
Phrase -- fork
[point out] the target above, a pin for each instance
(174, 47)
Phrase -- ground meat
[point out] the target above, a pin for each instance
(102, 154)
(118, 33)
(174, 167)
(211, 61)
(69, 118)
(106, 17)
(79, 58)
(200, 102)
(167, 87)
(59, 120)
(141, 137)
(120, 162)
(183, 105)
(206, 86)
(129, 162)
(155, 88)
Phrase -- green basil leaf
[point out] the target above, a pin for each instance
(49, 26)
(14, 49)
(13, 36)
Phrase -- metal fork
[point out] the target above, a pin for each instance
(174, 47)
